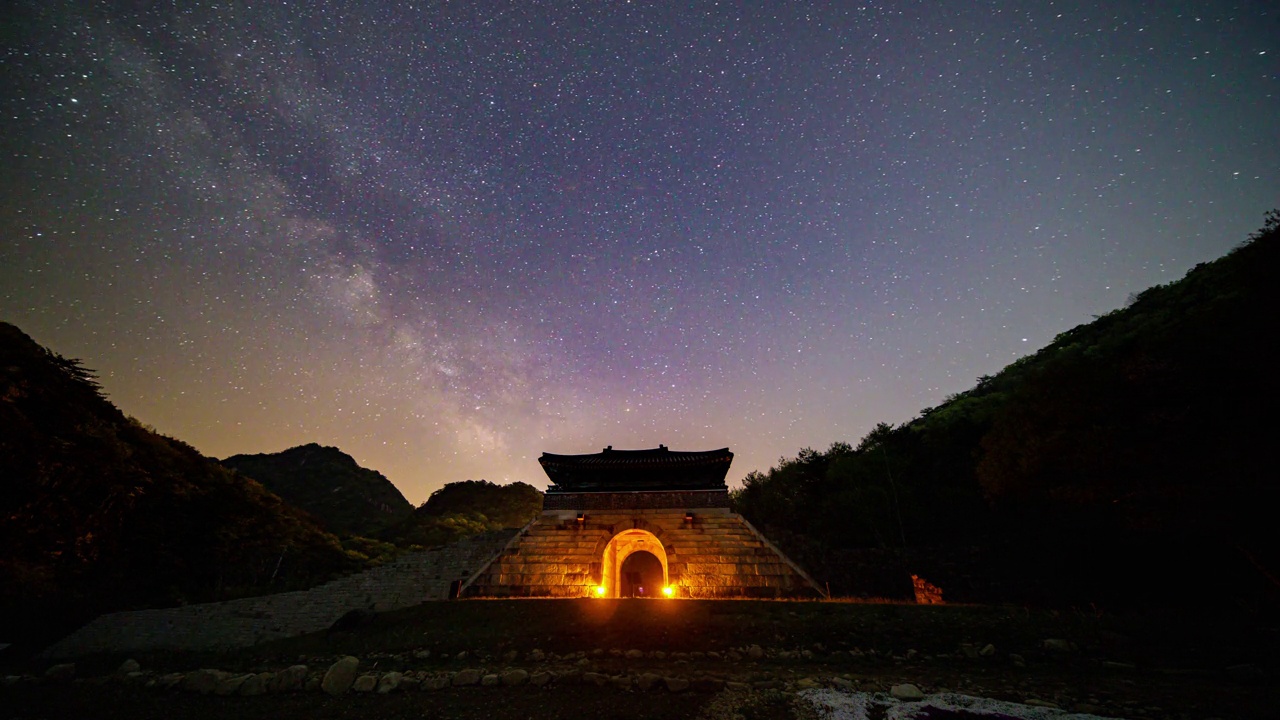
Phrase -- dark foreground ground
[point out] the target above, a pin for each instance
(1153, 665)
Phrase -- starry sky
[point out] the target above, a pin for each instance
(448, 236)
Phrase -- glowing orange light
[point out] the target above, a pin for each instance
(668, 591)
(600, 591)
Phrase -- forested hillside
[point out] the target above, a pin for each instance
(329, 484)
(466, 508)
(1126, 462)
(98, 512)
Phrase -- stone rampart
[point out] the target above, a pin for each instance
(407, 581)
(709, 553)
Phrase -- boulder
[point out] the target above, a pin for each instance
(706, 685)
(676, 684)
(755, 652)
(436, 682)
(634, 654)
(807, 683)
(389, 682)
(230, 685)
(906, 691)
(596, 678)
(536, 655)
(365, 683)
(256, 684)
(340, 676)
(648, 681)
(62, 672)
(490, 680)
(1058, 645)
(203, 681)
(289, 679)
(620, 682)
(170, 680)
(463, 678)
(539, 679)
(128, 666)
(515, 677)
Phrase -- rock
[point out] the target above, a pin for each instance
(461, 656)
(733, 656)
(1244, 671)
(648, 681)
(510, 656)
(313, 684)
(539, 679)
(515, 677)
(340, 676)
(676, 684)
(766, 685)
(658, 655)
(706, 685)
(128, 666)
(987, 650)
(1037, 702)
(389, 682)
(467, 677)
(911, 654)
(409, 682)
(583, 662)
(621, 682)
(1058, 645)
(536, 655)
(755, 652)
(422, 654)
(203, 681)
(490, 680)
(62, 672)
(906, 691)
(436, 682)
(170, 680)
(135, 678)
(289, 679)
(843, 684)
(713, 655)
(230, 685)
(596, 678)
(736, 686)
(968, 650)
(255, 685)
(1113, 665)
(807, 683)
(365, 683)
(634, 654)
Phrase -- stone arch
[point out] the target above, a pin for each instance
(623, 545)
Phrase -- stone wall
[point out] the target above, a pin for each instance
(716, 555)
(673, 499)
(407, 581)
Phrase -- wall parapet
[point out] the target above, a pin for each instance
(636, 500)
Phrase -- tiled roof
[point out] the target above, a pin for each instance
(654, 469)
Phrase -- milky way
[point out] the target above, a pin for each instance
(446, 237)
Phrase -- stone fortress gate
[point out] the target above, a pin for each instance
(639, 523)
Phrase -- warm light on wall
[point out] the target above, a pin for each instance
(668, 591)
(600, 591)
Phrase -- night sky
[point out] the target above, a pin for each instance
(447, 237)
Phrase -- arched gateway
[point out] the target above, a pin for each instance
(639, 523)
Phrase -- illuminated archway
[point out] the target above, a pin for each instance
(621, 547)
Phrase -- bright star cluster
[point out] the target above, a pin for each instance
(448, 236)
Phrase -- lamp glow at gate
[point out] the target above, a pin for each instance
(600, 591)
(668, 591)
